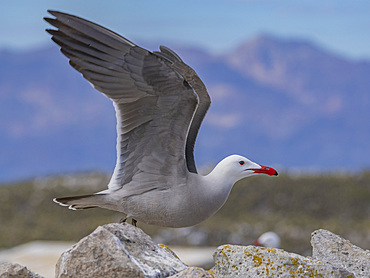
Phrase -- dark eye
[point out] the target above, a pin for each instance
(241, 162)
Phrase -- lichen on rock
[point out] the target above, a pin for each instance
(252, 261)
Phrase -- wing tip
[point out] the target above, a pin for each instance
(56, 200)
(56, 13)
(53, 13)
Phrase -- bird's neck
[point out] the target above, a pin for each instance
(219, 184)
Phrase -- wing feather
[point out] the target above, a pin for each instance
(151, 95)
(104, 35)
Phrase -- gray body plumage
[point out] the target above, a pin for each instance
(160, 103)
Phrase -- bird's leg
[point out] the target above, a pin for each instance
(123, 220)
(133, 222)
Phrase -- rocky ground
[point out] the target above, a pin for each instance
(122, 250)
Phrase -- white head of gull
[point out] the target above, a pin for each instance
(268, 239)
(160, 103)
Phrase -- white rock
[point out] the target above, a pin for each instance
(194, 272)
(118, 250)
(339, 252)
(16, 270)
(253, 261)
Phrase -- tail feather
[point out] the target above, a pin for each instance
(84, 201)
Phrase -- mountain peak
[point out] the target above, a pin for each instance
(267, 41)
(294, 66)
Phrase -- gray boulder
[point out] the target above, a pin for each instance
(118, 250)
(253, 261)
(331, 248)
(122, 250)
(194, 272)
(10, 270)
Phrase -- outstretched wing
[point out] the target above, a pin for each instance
(154, 95)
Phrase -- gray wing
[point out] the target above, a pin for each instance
(204, 101)
(155, 95)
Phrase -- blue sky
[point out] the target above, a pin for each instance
(342, 26)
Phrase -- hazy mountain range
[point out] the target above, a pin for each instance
(283, 103)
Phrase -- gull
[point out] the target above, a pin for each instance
(268, 239)
(160, 103)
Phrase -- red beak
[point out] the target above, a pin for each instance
(265, 170)
(256, 243)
